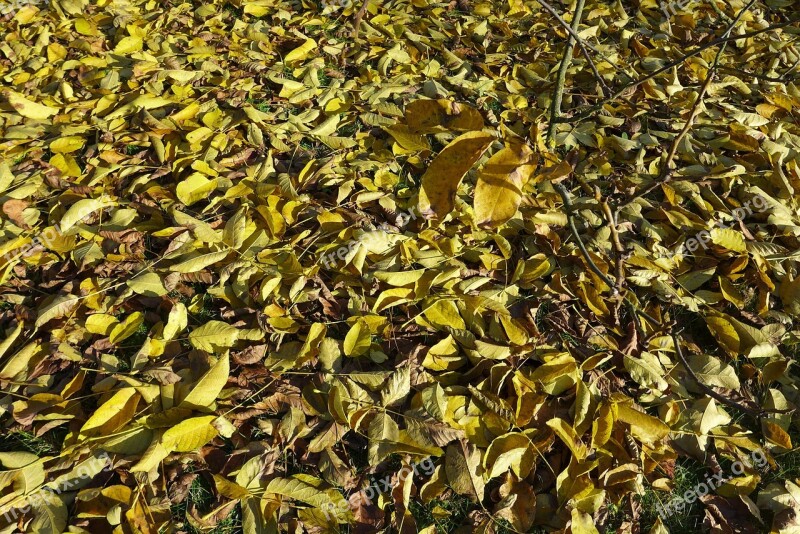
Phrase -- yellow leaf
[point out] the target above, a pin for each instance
(214, 336)
(28, 108)
(358, 339)
(555, 375)
(724, 332)
(603, 424)
(424, 116)
(393, 297)
(128, 45)
(140, 102)
(443, 356)
(512, 450)
(151, 458)
(67, 144)
(101, 323)
(555, 173)
(198, 263)
(177, 321)
(301, 52)
(148, 284)
(189, 435)
(775, 434)
(60, 306)
(445, 313)
(570, 438)
(26, 14)
(582, 523)
(81, 209)
(84, 27)
(728, 238)
(298, 490)
(730, 292)
(50, 515)
(113, 413)
(440, 181)
(644, 427)
(498, 192)
(195, 188)
(126, 328)
(256, 8)
(207, 389)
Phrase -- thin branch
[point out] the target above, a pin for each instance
(558, 90)
(755, 75)
(357, 19)
(667, 167)
(599, 105)
(572, 30)
(619, 254)
(707, 390)
(619, 249)
(570, 212)
(666, 172)
(665, 175)
(555, 109)
(644, 315)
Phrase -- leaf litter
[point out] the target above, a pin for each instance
(264, 256)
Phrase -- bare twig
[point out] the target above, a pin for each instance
(569, 210)
(572, 30)
(707, 390)
(555, 109)
(357, 19)
(756, 414)
(667, 167)
(666, 172)
(558, 90)
(757, 76)
(619, 254)
(599, 105)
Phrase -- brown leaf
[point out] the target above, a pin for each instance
(13, 209)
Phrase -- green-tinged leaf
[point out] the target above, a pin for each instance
(206, 390)
(189, 435)
(83, 208)
(214, 336)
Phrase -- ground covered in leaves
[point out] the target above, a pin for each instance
(402, 266)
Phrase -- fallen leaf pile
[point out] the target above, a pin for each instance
(263, 260)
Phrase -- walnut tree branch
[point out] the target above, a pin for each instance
(588, 112)
(667, 166)
(572, 31)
